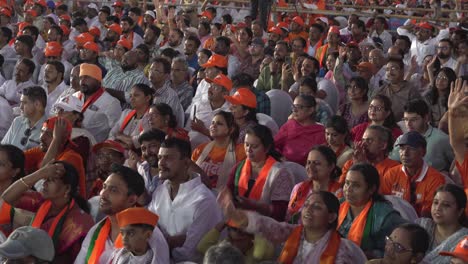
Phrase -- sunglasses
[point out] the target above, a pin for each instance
(27, 134)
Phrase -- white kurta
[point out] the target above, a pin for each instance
(193, 212)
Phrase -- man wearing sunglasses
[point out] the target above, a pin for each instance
(25, 130)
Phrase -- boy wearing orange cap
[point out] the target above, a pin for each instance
(136, 226)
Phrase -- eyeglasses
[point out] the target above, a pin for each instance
(376, 108)
(443, 78)
(27, 134)
(295, 107)
(397, 247)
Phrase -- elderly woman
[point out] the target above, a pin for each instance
(160, 116)
(445, 228)
(322, 172)
(314, 241)
(365, 217)
(297, 136)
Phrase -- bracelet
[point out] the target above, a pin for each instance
(25, 184)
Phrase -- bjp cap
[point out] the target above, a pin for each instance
(298, 20)
(109, 144)
(65, 29)
(53, 49)
(125, 43)
(95, 31)
(334, 29)
(118, 3)
(116, 28)
(206, 14)
(216, 60)
(425, 25)
(366, 66)
(82, 38)
(243, 96)
(5, 12)
(275, 30)
(92, 46)
(91, 70)
(66, 17)
(137, 215)
(222, 80)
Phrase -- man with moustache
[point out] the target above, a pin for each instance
(413, 180)
(100, 109)
(175, 40)
(54, 84)
(150, 142)
(187, 208)
(12, 89)
(120, 191)
(150, 38)
(119, 80)
(374, 147)
(128, 26)
(444, 54)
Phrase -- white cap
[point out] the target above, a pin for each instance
(323, 19)
(151, 14)
(69, 103)
(93, 6)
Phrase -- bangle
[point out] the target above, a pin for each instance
(25, 184)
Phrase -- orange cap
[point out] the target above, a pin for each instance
(116, 28)
(334, 29)
(243, 96)
(282, 25)
(461, 251)
(53, 49)
(125, 43)
(49, 124)
(5, 12)
(425, 25)
(95, 31)
(222, 80)
(275, 30)
(206, 14)
(82, 38)
(66, 17)
(65, 29)
(298, 20)
(91, 46)
(21, 26)
(109, 144)
(91, 70)
(216, 60)
(366, 66)
(136, 215)
(31, 12)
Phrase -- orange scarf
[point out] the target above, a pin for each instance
(128, 118)
(98, 242)
(44, 210)
(246, 171)
(291, 247)
(357, 227)
(5, 213)
(93, 98)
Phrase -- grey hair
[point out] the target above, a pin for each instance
(182, 61)
(223, 253)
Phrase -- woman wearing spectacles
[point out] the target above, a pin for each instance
(437, 96)
(446, 226)
(380, 113)
(300, 133)
(407, 244)
(365, 216)
(315, 240)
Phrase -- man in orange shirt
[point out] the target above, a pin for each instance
(414, 180)
(374, 147)
(55, 145)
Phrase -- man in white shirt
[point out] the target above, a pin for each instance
(422, 42)
(53, 52)
(92, 18)
(150, 142)
(128, 25)
(380, 32)
(100, 109)
(377, 58)
(222, 47)
(11, 89)
(54, 84)
(186, 207)
(175, 41)
(444, 54)
(120, 191)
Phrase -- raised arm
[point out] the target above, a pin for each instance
(457, 115)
